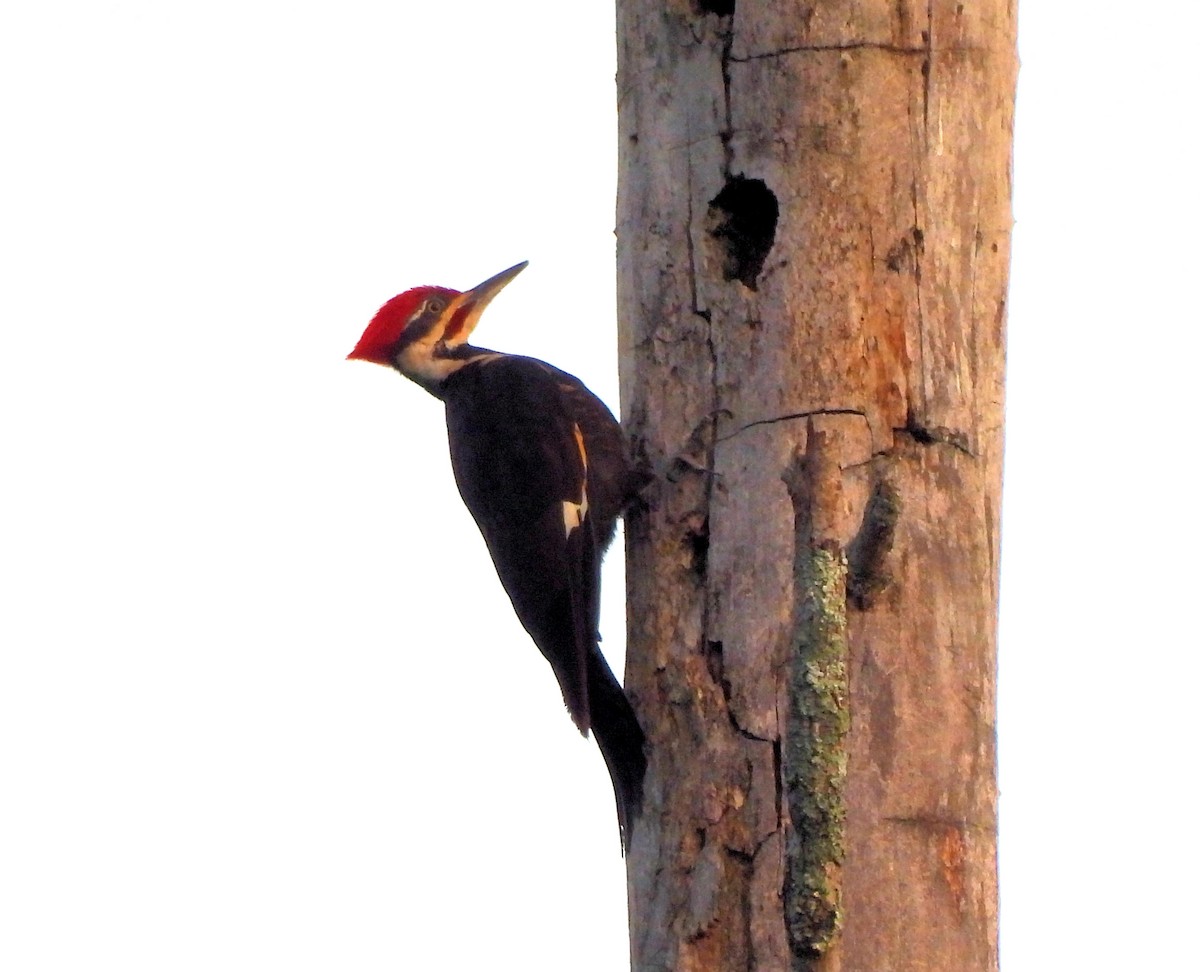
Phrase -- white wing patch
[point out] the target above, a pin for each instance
(574, 513)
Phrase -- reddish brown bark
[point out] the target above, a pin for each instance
(813, 234)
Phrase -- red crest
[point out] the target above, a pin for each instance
(386, 327)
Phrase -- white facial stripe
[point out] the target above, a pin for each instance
(417, 361)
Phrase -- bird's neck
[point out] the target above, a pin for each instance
(432, 368)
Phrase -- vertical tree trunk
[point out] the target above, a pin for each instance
(813, 235)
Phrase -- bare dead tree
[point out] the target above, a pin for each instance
(813, 237)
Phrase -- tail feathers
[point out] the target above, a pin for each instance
(621, 740)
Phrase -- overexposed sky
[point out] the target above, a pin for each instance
(262, 701)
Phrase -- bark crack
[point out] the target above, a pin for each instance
(715, 655)
(927, 65)
(691, 252)
(822, 48)
(796, 415)
(926, 50)
(973, 333)
(710, 436)
(710, 461)
(918, 251)
(727, 83)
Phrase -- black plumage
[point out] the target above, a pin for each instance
(530, 444)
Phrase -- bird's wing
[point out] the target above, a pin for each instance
(521, 466)
(611, 476)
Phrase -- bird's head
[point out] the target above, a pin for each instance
(423, 332)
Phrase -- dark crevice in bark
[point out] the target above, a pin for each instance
(973, 334)
(703, 440)
(745, 863)
(936, 435)
(697, 540)
(745, 733)
(904, 253)
(927, 64)
(710, 463)
(777, 764)
(691, 255)
(917, 252)
(727, 84)
(867, 575)
(926, 71)
(715, 657)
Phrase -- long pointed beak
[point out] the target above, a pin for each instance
(468, 306)
(480, 296)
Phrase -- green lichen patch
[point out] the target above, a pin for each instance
(814, 751)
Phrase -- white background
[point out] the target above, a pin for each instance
(263, 704)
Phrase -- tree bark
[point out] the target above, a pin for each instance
(813, 236)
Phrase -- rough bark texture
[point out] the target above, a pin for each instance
(813, 236)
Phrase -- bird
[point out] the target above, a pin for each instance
(544, 468)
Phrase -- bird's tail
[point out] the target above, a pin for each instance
(621, 741)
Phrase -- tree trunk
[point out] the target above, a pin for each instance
(813, 236)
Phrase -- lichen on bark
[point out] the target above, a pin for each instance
(814, 739)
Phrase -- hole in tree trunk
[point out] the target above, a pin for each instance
(722, 8)
(743, 217)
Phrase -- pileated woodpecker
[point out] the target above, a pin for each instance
(542, 465)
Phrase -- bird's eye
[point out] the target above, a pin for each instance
(434, 305)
